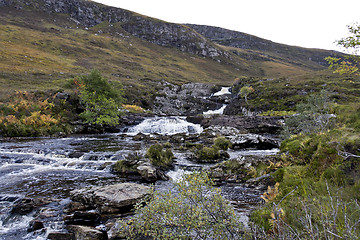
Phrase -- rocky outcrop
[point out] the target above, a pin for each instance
(188, 99)
(246, 124)
(89, 14)
(111, 199)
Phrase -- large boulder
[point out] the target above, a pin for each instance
(113, 198)
(87, 233)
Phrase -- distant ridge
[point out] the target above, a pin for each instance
(249, 42)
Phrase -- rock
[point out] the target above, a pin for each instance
(76, 206)
(60, 236)
(252, 141)
(195, 119)
(87, 233)
(151, 173)
(126, 166)
(35, 225)
(113, 198)
(147, 172)
(262, 181)
(27, 205)
(188, 100)
(76, 154)
(246, 124)
(83, 218)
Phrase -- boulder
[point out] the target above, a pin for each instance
(253, 141)
(150, 173)
(89, 218)
(113, 198)
(87, 233)
(147, 172)
(35, 225)
(60, 236)
(27, 205)
(261, 182)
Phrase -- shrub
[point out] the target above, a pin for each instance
(191, 209)
(208, 154)
(101, 102)
(222, 143)
(133, 108)
(127, 166)
(313, 116)
(160, 155)
(32, 114)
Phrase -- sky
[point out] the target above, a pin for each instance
(304, 23)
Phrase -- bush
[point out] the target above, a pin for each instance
(160, 155)
(222, 143)
(192, 209)
(33, 114)
(313, 116)
(208, 154)
(101, 101)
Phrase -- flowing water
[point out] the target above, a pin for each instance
(52, 167)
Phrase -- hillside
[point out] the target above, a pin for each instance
(44, 42)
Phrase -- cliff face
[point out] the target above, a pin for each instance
(89, 14)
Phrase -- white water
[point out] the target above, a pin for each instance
(165, 126)
(223, 91)
(44, 167)
(218, 111)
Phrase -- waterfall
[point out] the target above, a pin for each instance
(165, 126)
(217, 111)
(223, 91)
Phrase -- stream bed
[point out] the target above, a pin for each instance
(51, 167)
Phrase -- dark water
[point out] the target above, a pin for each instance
(52, 167)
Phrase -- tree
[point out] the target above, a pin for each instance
(245, 91)
(192, 209)
(349, 65)
(101, 101)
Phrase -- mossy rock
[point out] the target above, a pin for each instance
(128, 166)
(222, 143)
(210, 155)
(160, 155)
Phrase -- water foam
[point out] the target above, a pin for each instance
(165, 126)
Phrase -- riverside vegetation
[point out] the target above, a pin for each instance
(317, 183)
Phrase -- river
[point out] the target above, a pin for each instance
(51, 167)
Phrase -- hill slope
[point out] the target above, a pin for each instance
(44, 42)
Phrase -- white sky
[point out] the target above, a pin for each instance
(305, 23)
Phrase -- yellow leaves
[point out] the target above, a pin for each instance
(37, 119)
(341, 66)
(133, 108)
(10, 119)
(271, 193)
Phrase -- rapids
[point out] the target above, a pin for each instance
(51, 167)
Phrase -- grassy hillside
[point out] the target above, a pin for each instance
(40, 50)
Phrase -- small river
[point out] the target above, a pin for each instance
(52, 167)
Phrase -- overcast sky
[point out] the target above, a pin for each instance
(305, 23)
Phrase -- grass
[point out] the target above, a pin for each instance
(40, 51)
